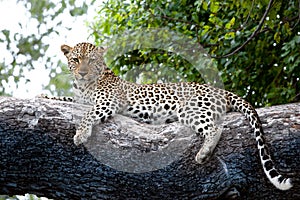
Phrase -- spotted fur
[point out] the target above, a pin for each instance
(192, 104)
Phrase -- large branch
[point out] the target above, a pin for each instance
(38, 156)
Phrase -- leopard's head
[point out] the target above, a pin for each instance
(85, 60)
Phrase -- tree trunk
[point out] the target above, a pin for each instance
(131, 160)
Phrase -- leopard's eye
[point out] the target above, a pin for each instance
(76, 60)
(91, 60)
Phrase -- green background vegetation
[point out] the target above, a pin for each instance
(255, 44)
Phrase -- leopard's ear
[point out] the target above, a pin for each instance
(66, 49)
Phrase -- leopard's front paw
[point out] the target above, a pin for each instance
(203, 155)
(81, 136)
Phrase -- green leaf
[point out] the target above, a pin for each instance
(214, 6)
(204, 5)
(277, 37)
(229, 35)
(230, 24)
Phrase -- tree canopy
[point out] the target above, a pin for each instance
(254, 44)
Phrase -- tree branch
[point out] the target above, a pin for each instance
(38, 156)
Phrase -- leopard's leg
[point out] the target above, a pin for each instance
(211, 138)
(205, 126)
(201, 114)
(93, 116)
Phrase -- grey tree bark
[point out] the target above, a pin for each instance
(38, 156)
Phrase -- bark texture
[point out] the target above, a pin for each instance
(125, 159)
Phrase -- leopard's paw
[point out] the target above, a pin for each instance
(81, 136)
(203, 155)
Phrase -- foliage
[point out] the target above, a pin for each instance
(264, 69)
(28, 50)
(254, 44)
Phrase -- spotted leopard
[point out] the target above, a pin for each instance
(194, 105)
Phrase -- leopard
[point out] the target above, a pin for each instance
(197, 106)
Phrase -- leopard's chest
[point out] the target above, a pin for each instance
(83, 93)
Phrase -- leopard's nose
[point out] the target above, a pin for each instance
(83, 73)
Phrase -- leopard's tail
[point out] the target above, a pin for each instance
(238, 104)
